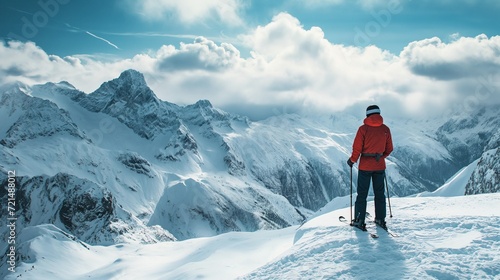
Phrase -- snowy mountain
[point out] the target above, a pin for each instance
(121, 165)
(436, 149)
(465, 136)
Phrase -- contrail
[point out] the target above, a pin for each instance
(100, 38)
(153, 34)
(72, 29)
(76, 29)
(21, 11)
(221, 38)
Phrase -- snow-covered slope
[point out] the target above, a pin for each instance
(193, 208)
(456, 185)
(439, 238)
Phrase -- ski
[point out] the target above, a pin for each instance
(344, 220)
(390, 232)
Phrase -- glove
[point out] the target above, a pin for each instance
(350, 163)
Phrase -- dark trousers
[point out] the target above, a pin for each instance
(364, 178)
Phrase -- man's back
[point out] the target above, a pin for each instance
(373, 143)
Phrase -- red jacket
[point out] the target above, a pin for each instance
(374, 137)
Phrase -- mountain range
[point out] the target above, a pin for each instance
(120, 165)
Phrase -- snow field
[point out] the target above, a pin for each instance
(440, 238)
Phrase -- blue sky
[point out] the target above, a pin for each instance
(401, 52)
(64, 32)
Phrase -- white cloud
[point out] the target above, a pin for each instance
(291, 69)
(202, 54)
(28, 63)
(191, 11)
(464, 57)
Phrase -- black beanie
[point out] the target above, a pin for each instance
(372, 109)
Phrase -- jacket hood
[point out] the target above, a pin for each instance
(374, 120)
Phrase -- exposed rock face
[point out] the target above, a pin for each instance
(486, 176)
(136, 163)
(80, 207)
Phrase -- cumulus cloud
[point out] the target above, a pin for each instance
(301, 65)
(464, 57)
(191, 11)
(291, 69)
(202, 54)
(466, 71)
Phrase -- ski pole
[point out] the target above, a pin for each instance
(388, 196)
(351, 195)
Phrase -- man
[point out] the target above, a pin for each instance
(373, 143)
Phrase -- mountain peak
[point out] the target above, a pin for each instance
(203, 104)
(130, 87)
(15, 87)
(129, 99)
(133, 76)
